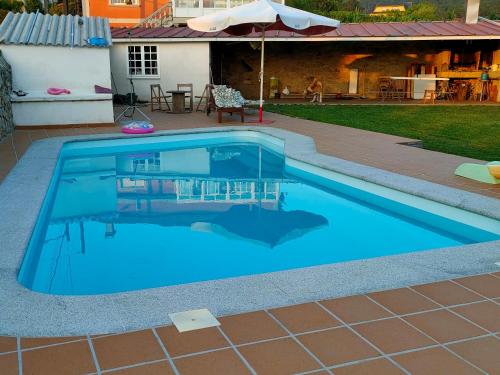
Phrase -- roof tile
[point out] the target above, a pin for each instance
(53, 30)
(359, 30)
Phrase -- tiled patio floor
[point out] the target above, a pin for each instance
(448, 327)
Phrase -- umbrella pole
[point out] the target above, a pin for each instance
(261, 74)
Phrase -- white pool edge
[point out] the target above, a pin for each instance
(23, 191)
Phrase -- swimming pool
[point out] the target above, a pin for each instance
(123, 215)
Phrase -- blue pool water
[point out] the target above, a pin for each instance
(128, 218)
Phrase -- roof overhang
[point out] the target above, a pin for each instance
(308, 39)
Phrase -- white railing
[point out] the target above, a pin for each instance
(162, 17)
(196, 8)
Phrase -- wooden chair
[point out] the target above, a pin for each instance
(398, 89)
(430, 95)
(203, 100)
(212, 106)
(189, 95)
(158, 98)
(445, 92)
(384, 87)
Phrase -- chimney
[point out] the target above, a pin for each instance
(471, 11)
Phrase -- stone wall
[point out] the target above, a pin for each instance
(6, 121)
(295, 63)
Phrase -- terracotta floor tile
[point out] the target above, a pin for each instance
(483, 352)
(254, 326)
(444, 326)
(355, 309)
(7, 344)
(393, 335)
(434, 361)
(486, 285)
(304, 317)
(403, 301)
(190, 342)
(277, 357)
(9, 364)
(375, 367)
(37, 134)
(486, 314)
(157, 368)
(127, 349)
(214, 363)
(71, 358)
(33, 342)
(447, 293)
(337, 346)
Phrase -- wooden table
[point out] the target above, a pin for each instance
(178, 100)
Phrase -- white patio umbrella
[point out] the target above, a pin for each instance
(263, 15)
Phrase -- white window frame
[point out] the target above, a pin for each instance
(143, 67)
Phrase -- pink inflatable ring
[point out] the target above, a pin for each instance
(138, 127)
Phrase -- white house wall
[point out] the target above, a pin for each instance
(179, 63)
(36, 68)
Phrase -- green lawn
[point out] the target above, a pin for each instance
(472, 131)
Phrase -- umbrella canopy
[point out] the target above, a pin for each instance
(263, 15)
(246, 222)
(267, 227)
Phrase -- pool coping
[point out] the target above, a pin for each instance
(27, 313)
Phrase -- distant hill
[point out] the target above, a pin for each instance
(488, 8)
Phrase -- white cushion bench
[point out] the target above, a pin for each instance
(78, 107)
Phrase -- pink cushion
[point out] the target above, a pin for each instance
(57, 91)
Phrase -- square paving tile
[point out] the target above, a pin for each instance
(403, 301)
(192, 320)
(374, 367)
(127, 349)
(447, 293)
(444, 326)
(33, 342)
(486, 285)
(254, 326)
(393, 335)
(157, 368)
(9, 364)
(304, 317)
(434, 361)
(220, 362)
(355, 309)
(337, 346)
(190, 342)
(283, 356)
(483, 352)
(8, 344)
(71, 358)
(486, 314)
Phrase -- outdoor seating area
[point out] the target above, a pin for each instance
(180, 100)
(218, 99)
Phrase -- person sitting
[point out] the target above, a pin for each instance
(316, 90)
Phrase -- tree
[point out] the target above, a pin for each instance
(423, 12)
(32, 6)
